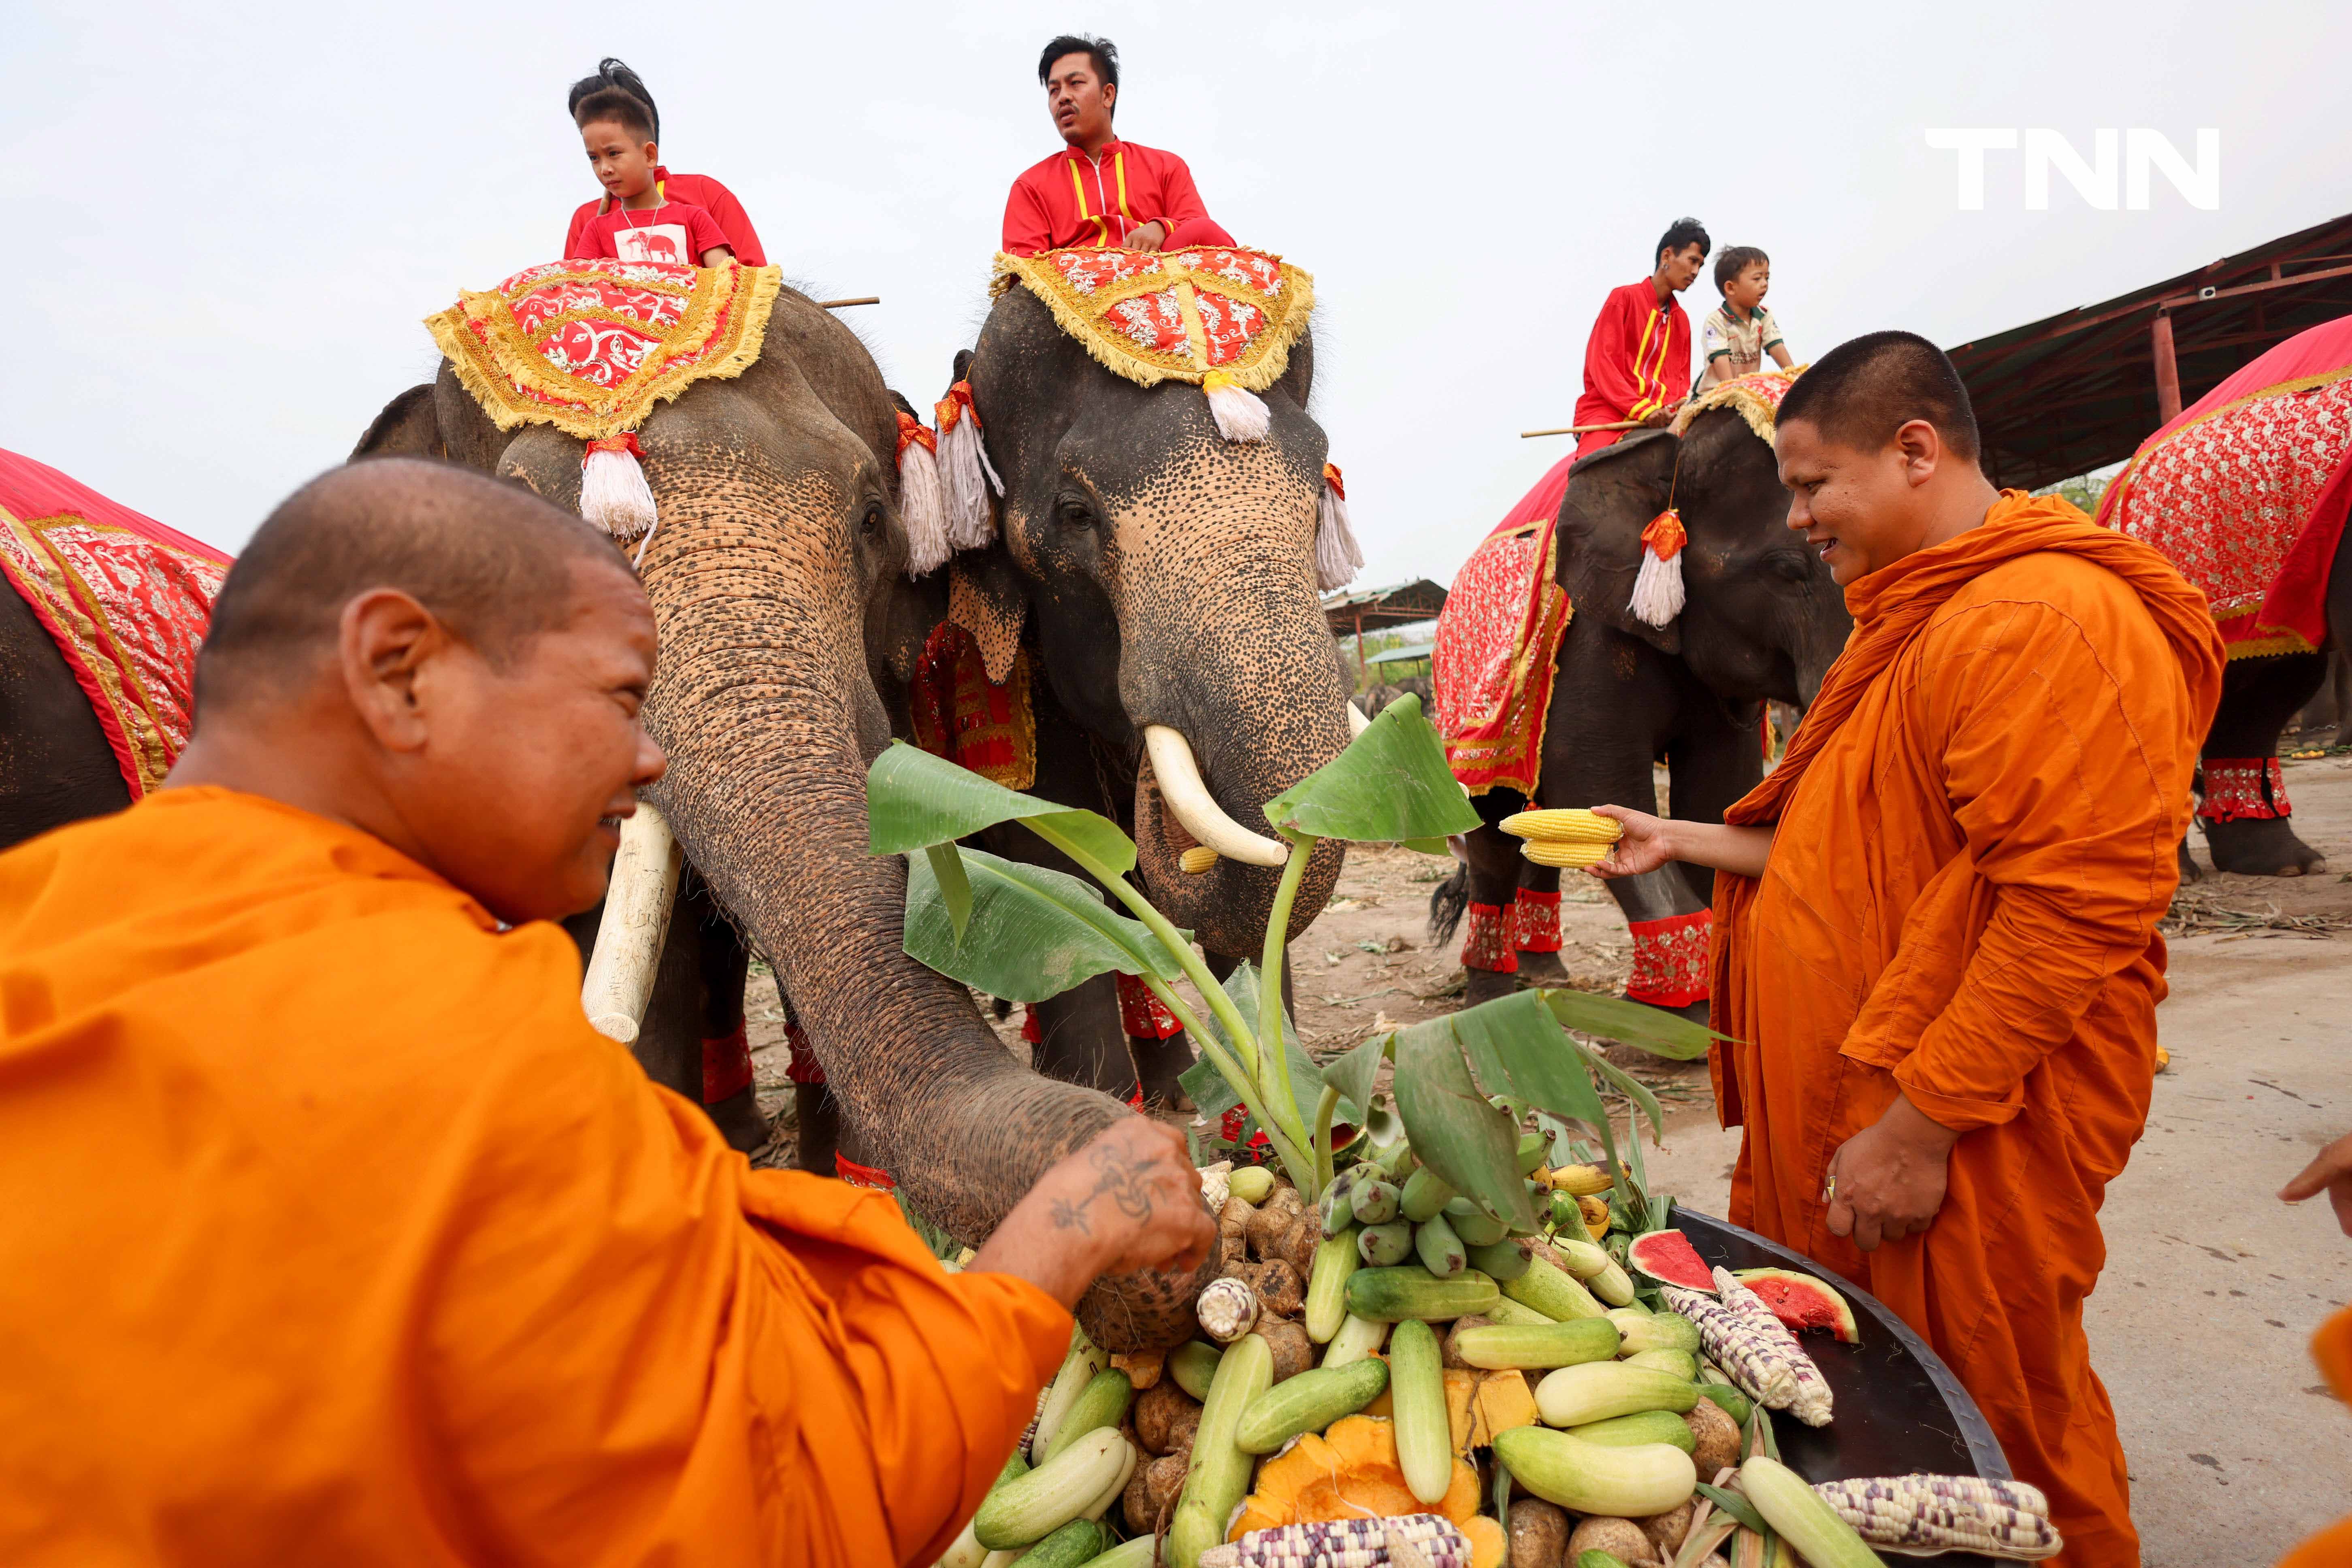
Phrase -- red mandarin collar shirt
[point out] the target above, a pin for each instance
(1072, 200)
(700, 190)
(1636, 362)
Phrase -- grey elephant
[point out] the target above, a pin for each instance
(1762, 620)
(776, 575)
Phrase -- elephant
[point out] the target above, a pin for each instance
(776, 574)
(56, 766)
(1162, 580)
(1762, 621)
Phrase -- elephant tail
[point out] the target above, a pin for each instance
(1447, 903)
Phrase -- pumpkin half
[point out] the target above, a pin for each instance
(1349, 1472)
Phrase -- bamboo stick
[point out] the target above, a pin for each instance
(1582, 429)
(837, 304)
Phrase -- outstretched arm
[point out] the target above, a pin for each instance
(1651, 841)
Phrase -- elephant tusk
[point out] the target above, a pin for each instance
(1188, 798)
(1356, 722)
(635, 923)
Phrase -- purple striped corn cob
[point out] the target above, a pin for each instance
(1812, 1401)
(1753, 1360)
(1964, 1513)
(1346, 1543)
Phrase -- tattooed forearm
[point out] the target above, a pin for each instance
(1115, 1179)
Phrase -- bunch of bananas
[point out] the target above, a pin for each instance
(1572, 838)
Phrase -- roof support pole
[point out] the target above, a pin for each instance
(2168, 371)
(1363, 674)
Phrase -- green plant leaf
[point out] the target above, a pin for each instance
(1517, 1049)
(914, 800)
(1470, 1144)
(1305, 1078)
(1391, 783)
(955, 887)
(1353, 1074)
(1639, 1093)
(1032, 932)
(1652, 1029)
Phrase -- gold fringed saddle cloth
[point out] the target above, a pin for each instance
(591, 347)
(1154, 316)
(1756, 397)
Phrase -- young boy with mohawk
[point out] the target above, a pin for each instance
(641, 223)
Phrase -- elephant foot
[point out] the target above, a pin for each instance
(1543, 968)
(2190, 871)
(1157, 1066)
(820, 1125)
(738, 1120)
(1488, 986)
(2265, 846)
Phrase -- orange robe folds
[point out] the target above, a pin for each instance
(1978, 823)
(2332, 1349)
(339, 1236)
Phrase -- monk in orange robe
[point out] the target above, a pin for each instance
(339, 1236)
(1935, 950)
(2332, 1346)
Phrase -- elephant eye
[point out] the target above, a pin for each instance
(1788, 566)
(872, 521)
(1072, 512)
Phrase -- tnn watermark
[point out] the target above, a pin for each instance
(2098, 179)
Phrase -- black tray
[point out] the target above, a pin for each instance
(1897, 1407)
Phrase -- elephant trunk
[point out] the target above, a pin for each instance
(768, 714)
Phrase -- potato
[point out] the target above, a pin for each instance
(1151, 1492)
(1667, 1529)
(1621, 1538)
(1281, 1288)
(1165, 1417)
(1449, 1353)
(1296, 1246)
(1718, 1438)
(1539, 1536)
(1294, 1352)
(1274, 1218)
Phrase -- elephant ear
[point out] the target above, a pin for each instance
(406, 428)
(987, 597)
(1612, 497)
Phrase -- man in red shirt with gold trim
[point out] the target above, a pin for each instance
(1100, 191)
(1637, 363)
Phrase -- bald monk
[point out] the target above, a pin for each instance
(1936, 948)
(342, 1237)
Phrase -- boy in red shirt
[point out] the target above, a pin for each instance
(642, 224)
(1100, 191)
(699, 189)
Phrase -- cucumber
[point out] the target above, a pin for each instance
(1219, 1471)
(1594, 1390)
(1392, 1295)
(1680, 1364)
(1358, 1338)
(1472, 1224)
(1729, 1400)
(1102, 1403)
(1336, 1258)
(1633, 1309)
(1193, 1365)
(967, 1552)
(1385, 1246)
(1581, 1259)
(1251, 1183)
(1424, 1194)
(1531, 1152)
(1800, 1517)
(1374, 1202)
(1499, 1346)
(1596, 1558)
(1029, 1508)
(1661, 1331)
(1568, 1216)
(1552, 1293)
(1143, 1551)
(1612, 1285)
(1506, 1310)
(1424, 1436)
(1308, 1403)
(1078, 1369)
(1589, 1479)
(1641, 1426)
(1440, 1250)
(1078, 1542)
(1505, 1260)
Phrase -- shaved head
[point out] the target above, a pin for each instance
(492, 561)
(1861, 393)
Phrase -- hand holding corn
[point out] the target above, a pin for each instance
(1617, 841)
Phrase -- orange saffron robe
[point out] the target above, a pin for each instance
(2332, 1349)
(1978, 828)
(339, 1236)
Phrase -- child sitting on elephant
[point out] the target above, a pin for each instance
(641, 223)
(1738, 334)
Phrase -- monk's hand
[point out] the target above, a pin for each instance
(1645, 846)
(2330, 1174)
(1150, 236)
(1130, 1199)
(1886, 1182)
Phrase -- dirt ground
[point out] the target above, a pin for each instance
(2211, 1287)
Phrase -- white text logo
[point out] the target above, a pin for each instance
(2119, 165)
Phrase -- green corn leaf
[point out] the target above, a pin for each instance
(1735, 1504)
(1032, 932)
(1455, 1131)
(1652, 1029)
(1635, 1090)
(1353, 1074)
(1391, 783)
(914, 800)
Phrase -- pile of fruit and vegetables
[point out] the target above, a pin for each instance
(1396, 1376)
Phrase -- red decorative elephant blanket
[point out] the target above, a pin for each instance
(2246, 492)
(126, 599)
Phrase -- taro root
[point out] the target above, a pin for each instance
(1667, 1529)
(1718, 1435)
(1271, 1219)
(1296, 1246)
(1294, 1352)
(1281, 1288)
(1538, 1534)
(1621, 1538)
(1450, 1353)
(1151, 1492)
(1165, 1417)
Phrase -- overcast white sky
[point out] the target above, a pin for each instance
(230, 220)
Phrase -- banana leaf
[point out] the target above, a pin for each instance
(914, 800)
(1457, 1133)
(1032, 932)
(1391, 783)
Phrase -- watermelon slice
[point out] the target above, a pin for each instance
(1668, 1257)
(1802, 1301)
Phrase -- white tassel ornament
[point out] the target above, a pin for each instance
(922, 500)
(965, 472)
(1337, 558)
(1658, 590)
(614, 494)
(1240, 415)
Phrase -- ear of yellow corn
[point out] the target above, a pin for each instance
(1573, 855)
(1197, 859)
(1569, 825)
